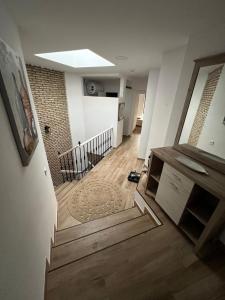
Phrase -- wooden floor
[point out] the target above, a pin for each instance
(158, 264)
(114, 168)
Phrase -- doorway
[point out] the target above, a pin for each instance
(140, 110)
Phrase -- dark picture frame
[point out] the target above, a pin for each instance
(16, 99)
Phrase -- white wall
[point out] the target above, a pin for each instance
(148, 112)
(170, 71)
(90, 115)
(74, 92)
(101, 113)
(28, 204)
(135, 109)
(119, 135)
(128, 99)
(192, 110)
(139, 83)
(112, 85)
(214, 129)
(123, 82)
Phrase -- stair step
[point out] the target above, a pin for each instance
(85, 246)
(60, 187)
(65, 190)
(78, 231)
(66, 187)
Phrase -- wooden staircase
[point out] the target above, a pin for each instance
(80, 244)
(77, 242)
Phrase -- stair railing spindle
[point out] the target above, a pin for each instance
(68, 165)
(72, 163)
(81, 165)
(64, 162)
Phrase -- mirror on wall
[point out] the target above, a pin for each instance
(202, 127)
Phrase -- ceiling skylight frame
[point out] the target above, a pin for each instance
(78, 59)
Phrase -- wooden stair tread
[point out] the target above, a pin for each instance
(78, 231)
(75, 250)
(65, 190)
(60, 187)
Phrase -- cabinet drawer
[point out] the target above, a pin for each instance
(173, 192)
(179, 180)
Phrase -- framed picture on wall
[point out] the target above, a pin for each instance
(14, 92)
(121, 111)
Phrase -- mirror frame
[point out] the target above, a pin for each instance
(187, 149)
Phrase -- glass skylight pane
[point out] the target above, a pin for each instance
(83, 58)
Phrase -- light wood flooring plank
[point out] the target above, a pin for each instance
(88, 228)
(75, 250)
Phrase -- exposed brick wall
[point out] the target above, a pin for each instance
(48, 89)
(204, 106)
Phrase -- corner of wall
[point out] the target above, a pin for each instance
(152, 84)
(74, 92)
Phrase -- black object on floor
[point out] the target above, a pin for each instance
(134, 176)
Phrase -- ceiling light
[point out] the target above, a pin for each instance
(83, 58)
(121, 57)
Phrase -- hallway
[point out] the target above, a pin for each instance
(110, 175)
(126, 255)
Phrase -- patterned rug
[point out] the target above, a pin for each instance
(96, 198)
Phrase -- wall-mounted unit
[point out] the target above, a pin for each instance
(101, 86)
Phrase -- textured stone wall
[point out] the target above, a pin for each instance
(204, 106)
(48, 89)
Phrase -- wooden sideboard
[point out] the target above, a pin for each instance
(195, 202)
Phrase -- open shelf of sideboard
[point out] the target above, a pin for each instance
(154, 174)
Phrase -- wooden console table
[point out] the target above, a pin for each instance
(195, 202)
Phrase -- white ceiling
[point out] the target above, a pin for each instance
(141, 30)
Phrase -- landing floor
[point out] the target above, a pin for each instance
(114, 168)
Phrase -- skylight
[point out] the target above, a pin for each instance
(83, 58)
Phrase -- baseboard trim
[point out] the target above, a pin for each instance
(150, 212)
(47, 263)
(47, 267)
(136, 205)
(146, 208)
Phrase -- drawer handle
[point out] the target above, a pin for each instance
(174, 186)
(177, 177)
